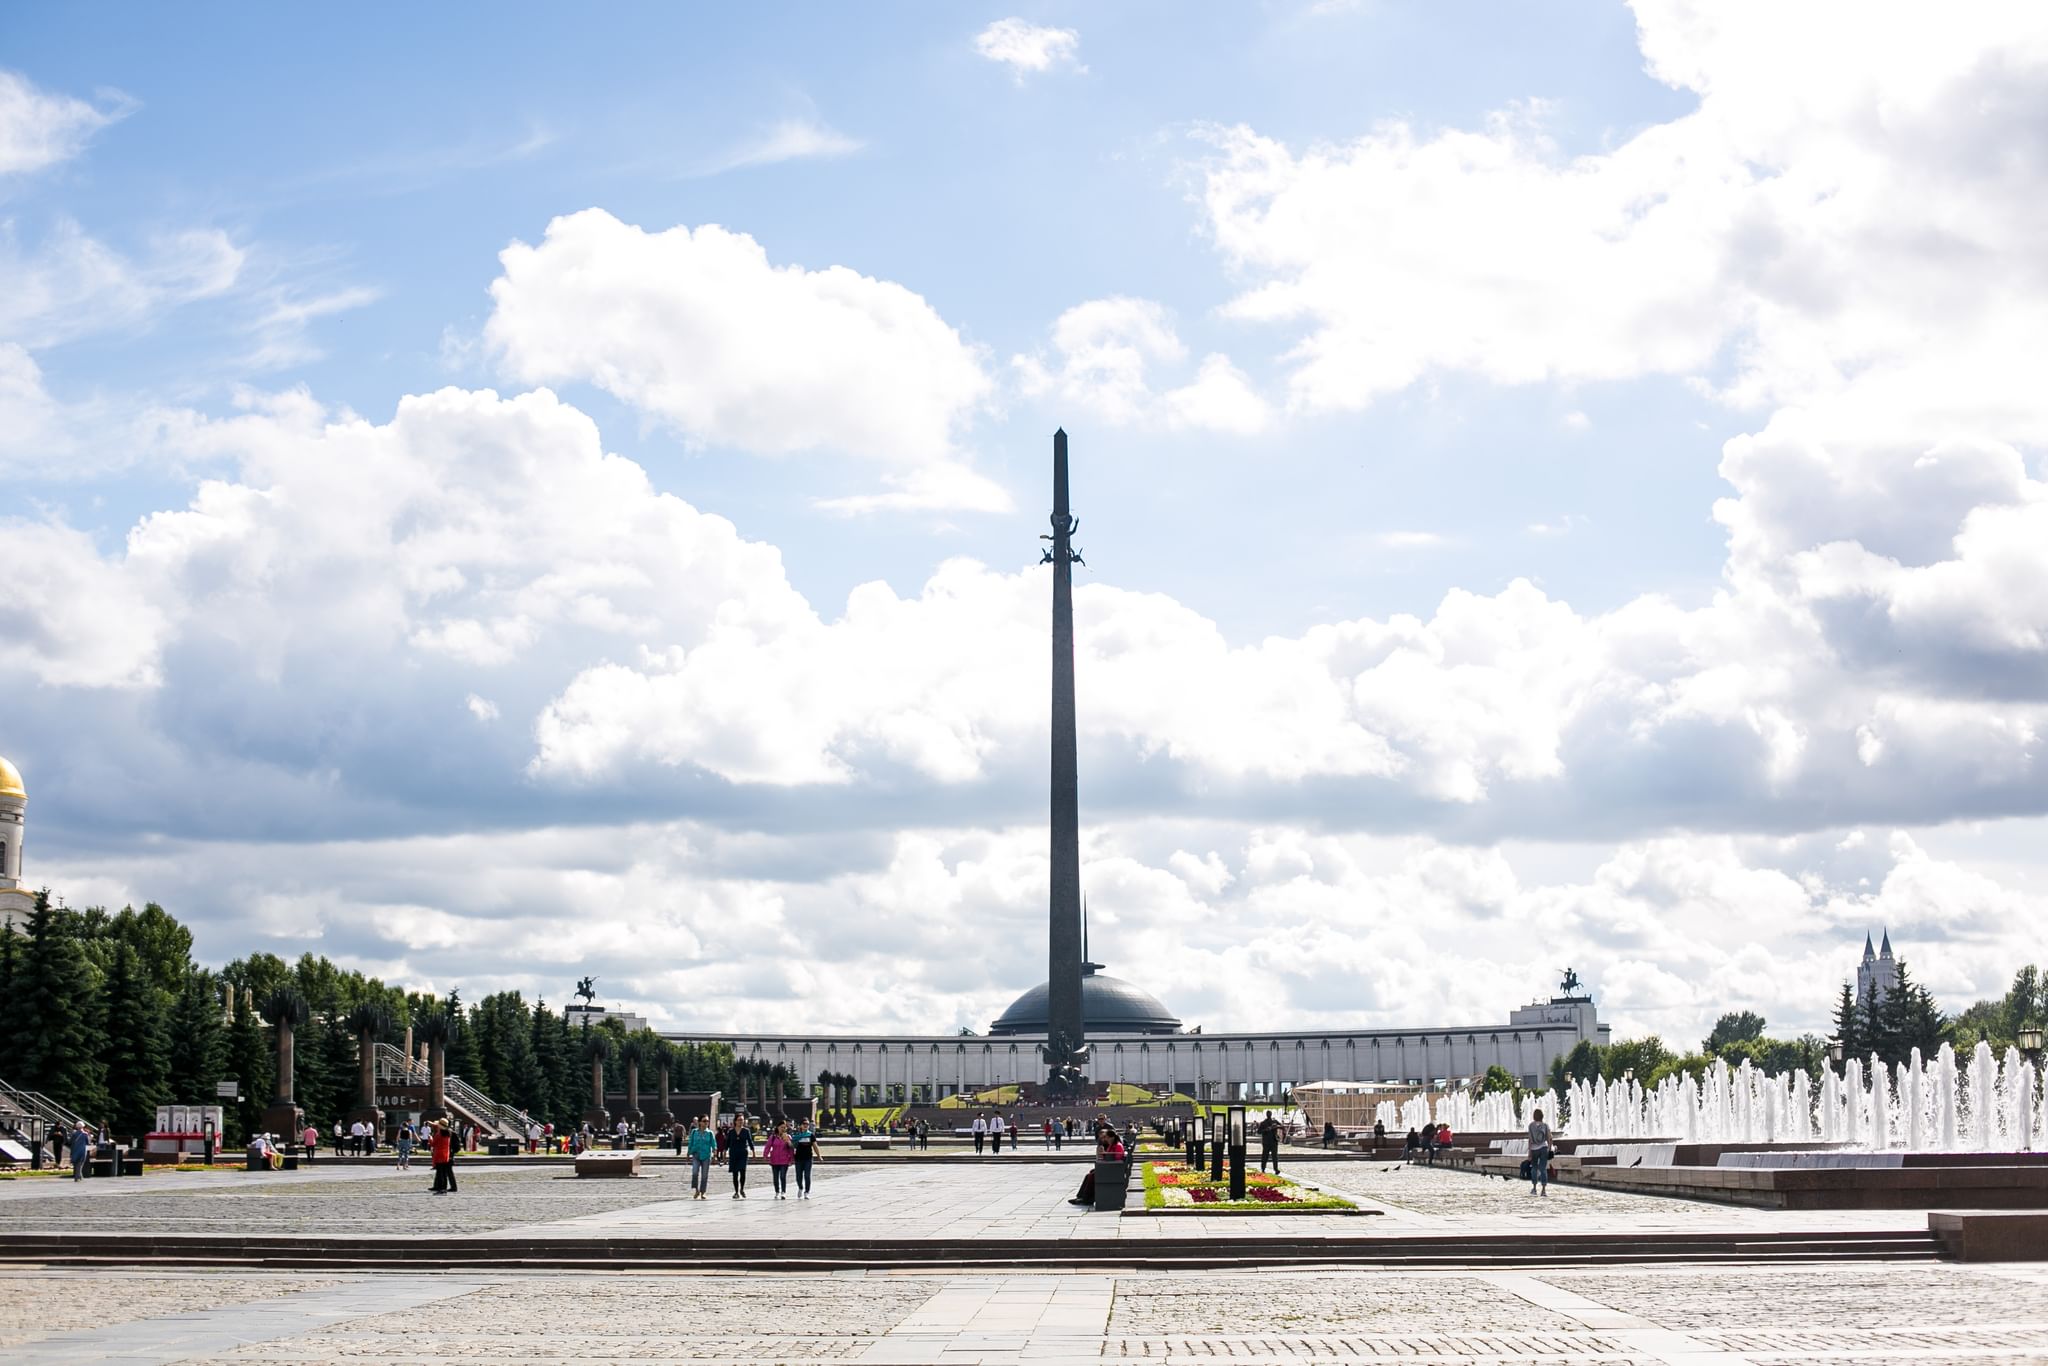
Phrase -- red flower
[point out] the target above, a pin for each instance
(1204, 1195)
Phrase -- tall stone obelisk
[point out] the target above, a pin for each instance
(1065, 1031)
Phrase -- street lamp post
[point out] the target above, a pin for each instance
(1215, 1149)
(2030, 1044)
(1835, 1051)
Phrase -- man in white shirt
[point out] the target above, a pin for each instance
(980, 1132)
(995, 1131)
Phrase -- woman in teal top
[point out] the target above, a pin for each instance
(703, 1143)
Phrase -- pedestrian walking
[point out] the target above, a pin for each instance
(311, 1140)
(443, 1152)
(780, 1155)
(980, 1131)
(703, 1146)
(1539, 1154)
(1429, 1144)
(804, 1149)
(996, 1128)
(739, 1150)
(405, 1146)
(81, 1153)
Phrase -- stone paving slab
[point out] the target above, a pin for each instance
(1717, 1317)
(983, 1202)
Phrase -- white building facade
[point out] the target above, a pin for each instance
(922, 1069)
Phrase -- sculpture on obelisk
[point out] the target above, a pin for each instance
(1065, 1049)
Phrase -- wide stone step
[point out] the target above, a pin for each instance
(378, 1254)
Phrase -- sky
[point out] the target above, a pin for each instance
(501, 499)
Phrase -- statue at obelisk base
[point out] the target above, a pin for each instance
(1065, 1050)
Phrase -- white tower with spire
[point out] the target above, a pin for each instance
(16, 901)
(1877, 974)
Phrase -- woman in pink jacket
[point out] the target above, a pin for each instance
(780, 1153)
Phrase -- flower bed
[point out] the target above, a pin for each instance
(1175, 1185)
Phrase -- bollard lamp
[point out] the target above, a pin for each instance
(1236, 1126)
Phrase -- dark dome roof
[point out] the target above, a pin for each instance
(1109, 1005)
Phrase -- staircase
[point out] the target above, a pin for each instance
(17, 1107)
(494, 1119)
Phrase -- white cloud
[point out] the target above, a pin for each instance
(1029, 48)
(72, 285)
(1106, 350)
(919, 928)
(482, 708)
(793, 139)
(72, 619)
(39, 129)
(700, 329)
(1833, 202)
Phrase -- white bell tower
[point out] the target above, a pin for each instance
(16, 901)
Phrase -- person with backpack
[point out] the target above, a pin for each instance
(1539, 1154)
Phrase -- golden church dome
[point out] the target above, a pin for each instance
(10, 780)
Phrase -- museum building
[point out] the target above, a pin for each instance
(1135, 1039)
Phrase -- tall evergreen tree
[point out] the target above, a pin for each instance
(1910, 1019)
(337, 1076)
(60, 1052)
(550, 1065)
(13, 1024)
(1848, 1023)
(197, 1050)
(137, 1056)
(462, 1056)
(250, 1063)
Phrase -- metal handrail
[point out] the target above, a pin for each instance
(35, 1103)
(496, 1116)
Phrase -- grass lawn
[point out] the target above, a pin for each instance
(1174, 1185)
(877, 1115)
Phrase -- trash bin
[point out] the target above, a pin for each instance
(1112, 1183)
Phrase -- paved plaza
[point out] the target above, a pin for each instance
(728, 1310)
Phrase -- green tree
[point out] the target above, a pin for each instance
(1586, 1062)
(462, 1055)
(137, 1058)
(1695, 1065)
(1848, 1023)
(60, 1053)
(1908, 1019)
(331, 1086)
(1497, 1078)
(550, 1066)
(197, 1050)
(13, 1024)
(162, 946)
(249, 1060)
(1736, 1024)
(1640, 1057)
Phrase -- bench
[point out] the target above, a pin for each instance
(591, 1163)
(874, 1141)
(1112, 1184)
(503, 1147)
